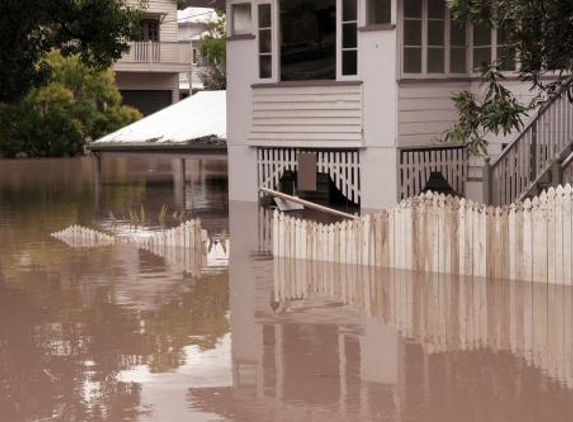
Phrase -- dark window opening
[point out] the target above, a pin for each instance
(149, 30)
(308, 39)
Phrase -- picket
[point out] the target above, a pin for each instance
(529, 241)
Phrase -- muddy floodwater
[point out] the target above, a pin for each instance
(114, 333)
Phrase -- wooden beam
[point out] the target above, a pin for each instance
(309, 204)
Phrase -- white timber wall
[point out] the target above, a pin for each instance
(529, 241)
(426, 110)
(241, 74)
(307, 116)
(168, 11)
(378, 161)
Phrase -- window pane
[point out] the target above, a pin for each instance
(412, 60)
(349, 10)
(435, 60)
(482, 55)
(458, 60)
(458, 33)
(413, 8)
(436, 33)
(412, 32)
(308, 39)
(265, 67)
(506, 58)
(349, 62)
(436, 9)
(265, 41)
(482, 35)
(264, 16)
(349, 35)
(241, 18)
(379, 11)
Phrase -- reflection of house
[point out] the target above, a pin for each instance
(148, 75)
(365, 87)
(194, 22)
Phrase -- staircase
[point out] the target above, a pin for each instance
(540, 156)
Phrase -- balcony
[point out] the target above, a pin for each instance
(150, 56)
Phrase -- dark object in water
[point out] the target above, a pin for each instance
(438, 183)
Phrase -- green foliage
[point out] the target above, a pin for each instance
(496, 111)
(213, 54)
(97, 31)
(78, 104)
(540, 33)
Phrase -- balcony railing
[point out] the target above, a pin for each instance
(158, 52)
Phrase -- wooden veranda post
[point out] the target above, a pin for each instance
(487, 182)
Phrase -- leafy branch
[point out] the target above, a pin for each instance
(495, 111)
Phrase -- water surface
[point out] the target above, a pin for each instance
(120, 334)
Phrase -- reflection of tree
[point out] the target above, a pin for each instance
(64, 340)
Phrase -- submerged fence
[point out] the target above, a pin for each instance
(530, 241)
(187, 235)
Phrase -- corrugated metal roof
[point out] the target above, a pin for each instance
(201, 116)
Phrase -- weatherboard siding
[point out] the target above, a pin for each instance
(313, 115)
(425, 111)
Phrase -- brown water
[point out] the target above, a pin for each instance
(117, 334)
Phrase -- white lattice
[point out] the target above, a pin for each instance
(342, 166)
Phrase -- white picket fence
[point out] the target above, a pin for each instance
(530, 241)
(187, 235)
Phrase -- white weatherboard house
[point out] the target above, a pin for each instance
(365, 87)
(148, 75)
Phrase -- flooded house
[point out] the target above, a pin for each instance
(148, 75)
(354, 96)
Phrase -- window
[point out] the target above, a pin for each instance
(308, 40)
(241, 18)
(505, 54)
(195, 55)
(412, 36)
(436, 28)
(435, 44)
(349, 37)
(482, 46)
(149, 30)
(458, 46)
(378, 12)
(265, 42)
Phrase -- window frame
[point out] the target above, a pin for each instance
(232, 29)
(273, 45)
(339, 41)
(447, 74)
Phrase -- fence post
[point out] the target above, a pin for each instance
(487, 182)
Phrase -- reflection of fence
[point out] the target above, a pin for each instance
(447, 313)
(416, 165)
(530, 241)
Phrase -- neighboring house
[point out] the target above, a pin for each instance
(193, 22)
(148, 75)
(363, 86)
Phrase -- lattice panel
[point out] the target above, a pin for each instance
(342, 166)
